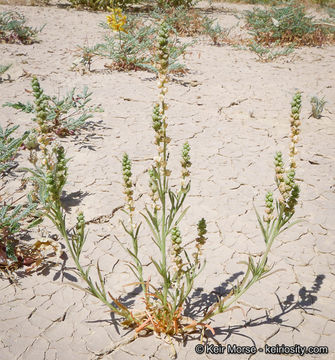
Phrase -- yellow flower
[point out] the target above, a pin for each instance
(116, 20)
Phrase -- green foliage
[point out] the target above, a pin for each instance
(324, 3)
(269, 53)
(50, 177)
(176, 3)
(331, 13)
(9, 147)
(63, 116)
(103, 4)
(3, 69)
(10, 223)
(186, 21)
(134, 48)
(214, 31)
(288, 24)
(317, 107)
(84, 59)
(11, 217)
(15, 219)
(129, 49)
(14, 30)
(263, 2)
(176, 268)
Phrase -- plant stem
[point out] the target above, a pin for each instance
(260, 268)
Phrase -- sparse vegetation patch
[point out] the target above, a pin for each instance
(287, 25)
(13, 29)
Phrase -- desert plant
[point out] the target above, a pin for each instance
(164, 302)
(130, 46)
(324, 3)
(15, 254)
(186, 21)
(62, 116)
(9, 147)
(317, 107)
(14, 30)
(288, 24)
(271, 224)
(267, 53)
(15, 219)
(176, 3)
(331, 13)
(11, 218)
(3, 69)
(103, 4)
(84, 60)
(216, 33)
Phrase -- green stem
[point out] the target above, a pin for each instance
(260, 268)
(59, 221)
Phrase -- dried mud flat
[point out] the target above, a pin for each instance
(234, 111)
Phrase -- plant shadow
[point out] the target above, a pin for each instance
(128, 300)
(62, 273)
(305, 299)
(195, 309)
(72, 199)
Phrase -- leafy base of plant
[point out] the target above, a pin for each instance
(13, 29)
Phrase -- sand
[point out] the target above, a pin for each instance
(234, 112)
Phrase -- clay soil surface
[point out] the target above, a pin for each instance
(234, 111)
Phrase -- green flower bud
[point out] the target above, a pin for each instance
(202, 227)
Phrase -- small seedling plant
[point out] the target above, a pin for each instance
(3, 69)
(164, 301)
(318, 105)
(14, 30)
(61, 116)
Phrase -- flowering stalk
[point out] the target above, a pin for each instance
(50, 179)
(163, 220)
(295, 127)
(160, 170)
(271, 226)
(116, 21)
(200, 240)
(41, 107)
(133, 229)
(176, 251)
(185, 164)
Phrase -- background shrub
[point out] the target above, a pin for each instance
(288, 24)
(103, 4)
(14, 30)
